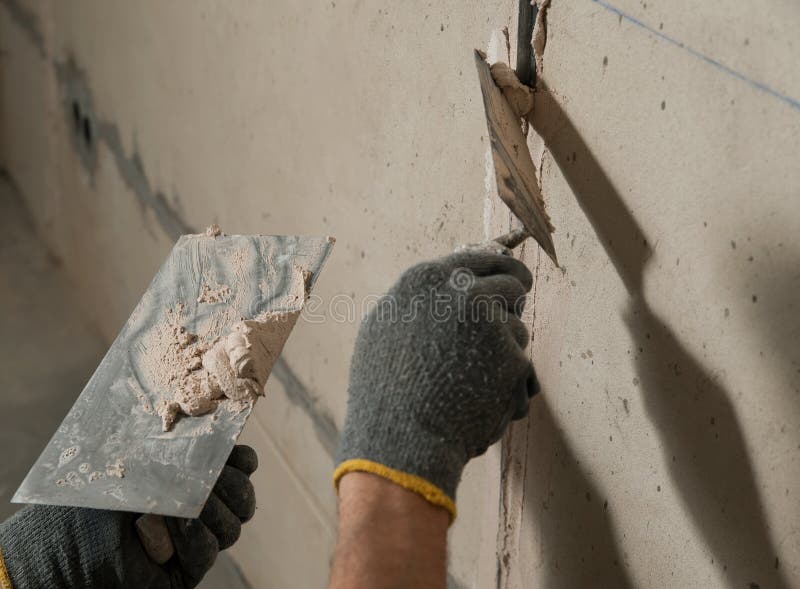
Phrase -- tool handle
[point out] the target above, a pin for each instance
(500, 245)
(513, 238)
(153, 533)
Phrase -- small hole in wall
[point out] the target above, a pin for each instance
(87, 130)
(76, 115)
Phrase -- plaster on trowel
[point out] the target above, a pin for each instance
(201, 342)
(514, 170)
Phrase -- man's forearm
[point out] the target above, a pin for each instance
(388, 537)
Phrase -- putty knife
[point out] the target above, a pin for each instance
(515, 172)
(111, 451)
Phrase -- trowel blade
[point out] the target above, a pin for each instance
(112, 430)
(515, 173)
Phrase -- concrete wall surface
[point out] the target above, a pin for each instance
(663, 450)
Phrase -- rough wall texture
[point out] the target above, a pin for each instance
(663, 451)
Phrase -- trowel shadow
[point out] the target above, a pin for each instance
(701, 435)
(579, 547)
(612, 221)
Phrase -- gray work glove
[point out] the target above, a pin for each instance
(48, 547)
(438, 372)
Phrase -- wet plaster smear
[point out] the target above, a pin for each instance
(221, 367)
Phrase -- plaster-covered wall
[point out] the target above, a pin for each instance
(663, 450)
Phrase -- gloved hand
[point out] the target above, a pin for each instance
(438, 372)
(47, 547)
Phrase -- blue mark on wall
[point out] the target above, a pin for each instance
(793, 102)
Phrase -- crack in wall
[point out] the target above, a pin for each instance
(514, 452)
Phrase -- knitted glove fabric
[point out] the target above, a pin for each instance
(438, 372)
(49, 547)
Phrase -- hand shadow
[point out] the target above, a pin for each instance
(705, 451)
(776, 312)
(711, 466)
(579, 545)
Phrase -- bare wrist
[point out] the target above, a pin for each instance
(388, 536)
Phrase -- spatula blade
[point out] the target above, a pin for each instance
(513, 166)
(110, 452)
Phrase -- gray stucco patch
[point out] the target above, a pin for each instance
(89, 130)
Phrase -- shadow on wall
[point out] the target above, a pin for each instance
(572, 516)
(777, 314)
(701, 436)
(706, 452)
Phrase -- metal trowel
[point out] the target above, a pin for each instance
(112, 450)
(515, 172)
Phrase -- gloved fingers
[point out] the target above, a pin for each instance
(525, 390)
(532, 383)
(518, 330)
(509, 324)
(236, 492)
(221, 521)
(485, 263)
(516, 408)
(501, 287)
(196, 548)
(244, 458)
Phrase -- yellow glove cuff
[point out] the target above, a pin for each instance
(5, 579)
(412, 482)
